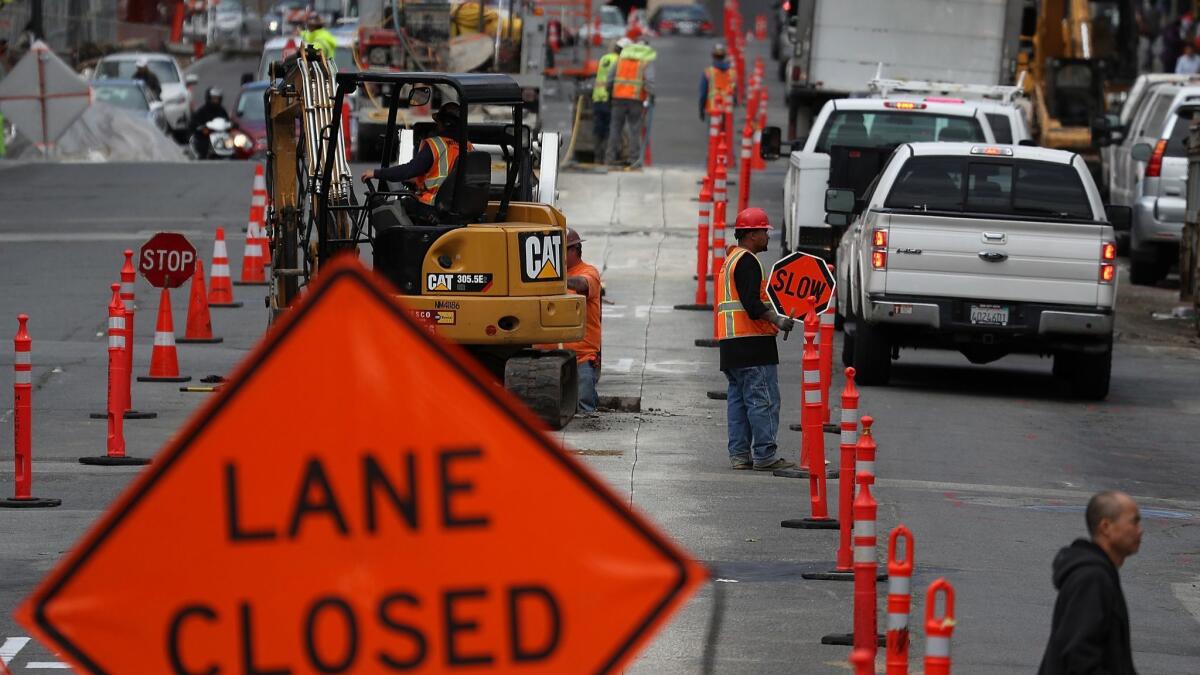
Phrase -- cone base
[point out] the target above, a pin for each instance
(129, 415)
(707, 277)
(717, 395)
(827, 428)
(695, 307)
(801, 472)
(106, 460)
(847, 639)
(29, 503)
(201, 390)
(224, 304)
(248, 283)
(163, 378)
(810, 524)
(707, 342)
(831, 575)
(200, 341)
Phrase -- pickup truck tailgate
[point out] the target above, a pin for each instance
(1024, 261)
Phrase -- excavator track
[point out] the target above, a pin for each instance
(547, 382)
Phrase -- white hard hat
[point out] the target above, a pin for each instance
(142, 62)
(624, 42)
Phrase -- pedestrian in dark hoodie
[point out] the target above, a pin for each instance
(1090, 630)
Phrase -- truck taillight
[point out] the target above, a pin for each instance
(879, 259)
(1108, 251)
(879, 249)
(1108, 272)
(879, 239)
(1154, 166)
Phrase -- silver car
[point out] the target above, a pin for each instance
(176, 97)
(133, 96)
(1160, 199)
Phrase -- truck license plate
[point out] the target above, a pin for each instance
(989, 315)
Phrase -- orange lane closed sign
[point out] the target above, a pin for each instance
(396, 513)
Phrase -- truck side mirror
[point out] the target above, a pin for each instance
(839, 201)
(1107, 130)
(837, 219)
(771, 143)
(1141, 152)
(1120, 217)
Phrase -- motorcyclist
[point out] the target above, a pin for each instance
(144, 74)
(211, 110)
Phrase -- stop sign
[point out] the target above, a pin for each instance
(797, 277)
(167, 260)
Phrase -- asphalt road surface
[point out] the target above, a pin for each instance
(990, 466)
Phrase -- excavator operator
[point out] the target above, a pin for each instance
(430, 166)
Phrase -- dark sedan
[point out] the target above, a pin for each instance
(681, 20)
(249, 115)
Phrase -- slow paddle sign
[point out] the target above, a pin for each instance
(797, 277)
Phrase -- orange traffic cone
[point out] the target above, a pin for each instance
(164, 360)
(199, 321)
(221, 292)
(258, 216)
(252, 267)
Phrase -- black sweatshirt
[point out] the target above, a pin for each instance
(757, 350)
(1090, 630)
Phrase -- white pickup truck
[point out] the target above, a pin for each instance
(852, 137)
(984, 249)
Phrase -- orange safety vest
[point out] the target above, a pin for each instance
(719, 82)
(732, 319)
(628, 82)
(588, 348)
(445, 153)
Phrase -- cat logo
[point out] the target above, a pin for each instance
(541, 256)
(439, 282)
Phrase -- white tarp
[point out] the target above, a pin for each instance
(105, 133)
(42, 96)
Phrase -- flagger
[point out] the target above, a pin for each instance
(746, 328)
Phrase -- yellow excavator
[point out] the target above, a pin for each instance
(483, 266)
(1074, 53)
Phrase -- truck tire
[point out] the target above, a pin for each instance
(872, 354)
(1090, 374)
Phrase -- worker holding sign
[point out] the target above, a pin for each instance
(746, 329)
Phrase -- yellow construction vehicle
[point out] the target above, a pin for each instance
(1074, 53)
(480, 267)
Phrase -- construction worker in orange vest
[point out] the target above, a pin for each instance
(584, 279)
(631, 85)
(746, 328)
(716, 79)
(429, 168)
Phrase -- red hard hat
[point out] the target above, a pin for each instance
(752, 218)
(634, 32)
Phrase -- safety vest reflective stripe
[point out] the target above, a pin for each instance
(896, 621)
(937, 646)
(628, 83)
(719, 82)
(600, 88)
(898, 585)
(444, 155)
(734, 321)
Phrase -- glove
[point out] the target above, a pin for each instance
(783, 323)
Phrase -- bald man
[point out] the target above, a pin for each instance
(1090, 629)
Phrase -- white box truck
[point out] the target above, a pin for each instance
(837, 46)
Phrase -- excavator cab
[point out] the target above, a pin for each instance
(481, 266)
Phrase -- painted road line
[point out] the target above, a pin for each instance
(1188, 594)
(940, 486)
(47, 665)
(620, 366)
(11, 647)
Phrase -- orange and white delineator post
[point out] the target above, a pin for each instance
(744, 167)
(826, 341)
(715, 120)
(164, 360)
(760, 124)
(862, 662)
(812, 438)
(865, 566)
(702, 252)
(938, 630)
(864, 451)
(253, 266)
(129, 300)
(899, 600)
(115, 444)
(23, 423)
(720, 205)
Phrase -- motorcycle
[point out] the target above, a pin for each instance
(220, 139)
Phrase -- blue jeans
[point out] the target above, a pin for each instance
(601, 116)
(589, 374)
(753, 413)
